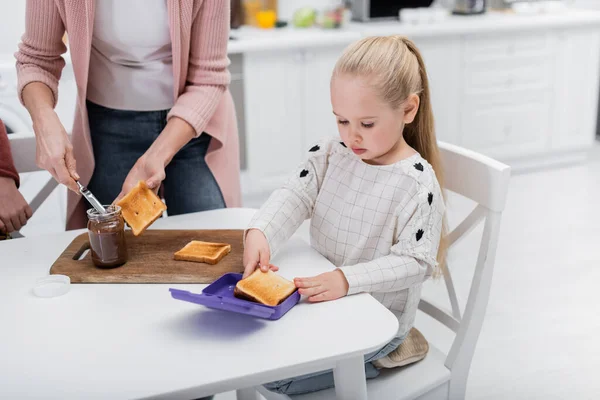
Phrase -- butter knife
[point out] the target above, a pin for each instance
(91, 198)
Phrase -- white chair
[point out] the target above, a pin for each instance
(23, 151)
(440, 375)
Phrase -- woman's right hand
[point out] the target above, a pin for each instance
(257, 253)
(54, 151)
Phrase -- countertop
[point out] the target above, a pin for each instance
(248, 39)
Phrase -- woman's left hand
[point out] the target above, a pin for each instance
(327, 286)
(151, 166)
(148, 168)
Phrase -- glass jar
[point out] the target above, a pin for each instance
(107, 237)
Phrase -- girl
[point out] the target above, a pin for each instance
(374, 197)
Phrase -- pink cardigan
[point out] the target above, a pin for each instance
(199, 33)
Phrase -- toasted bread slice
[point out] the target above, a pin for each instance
(141, 207)
(204, 252)
(265, 287)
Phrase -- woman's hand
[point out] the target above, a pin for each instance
(151, 166)
(327, 286)
(257, 253)
(54, 151)
(14, 210)
(148, 168)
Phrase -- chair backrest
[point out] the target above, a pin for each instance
(22, 146)
(485, 181)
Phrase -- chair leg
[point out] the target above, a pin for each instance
(458, 388)
(247, 394)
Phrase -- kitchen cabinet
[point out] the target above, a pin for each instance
(317, 67)
(287, 108)
(274, 112)
(443, 63)
(507, 94)
(576, 89)
(505, 127)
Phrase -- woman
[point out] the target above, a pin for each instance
(152, 103)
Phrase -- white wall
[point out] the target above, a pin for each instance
(12, 25)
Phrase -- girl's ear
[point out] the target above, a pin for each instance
(411, 106)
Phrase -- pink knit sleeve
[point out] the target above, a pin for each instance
(208, 76)
(39, 56)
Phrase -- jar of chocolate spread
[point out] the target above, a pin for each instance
(107, 237)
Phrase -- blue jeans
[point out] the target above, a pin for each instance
(324, 379)
(120, 137)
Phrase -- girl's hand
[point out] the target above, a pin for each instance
(328, 286)
(257, 253)
(147, 168)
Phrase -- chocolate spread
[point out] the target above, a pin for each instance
(107, 237)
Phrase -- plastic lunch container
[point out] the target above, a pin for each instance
(219, 295)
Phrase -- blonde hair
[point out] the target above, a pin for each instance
(396, 69)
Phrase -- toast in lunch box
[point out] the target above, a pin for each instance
(264, 287)
(141, 207)
(203, 252)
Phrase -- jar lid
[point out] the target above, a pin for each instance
(52, 286)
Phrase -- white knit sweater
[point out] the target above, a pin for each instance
(381, 225)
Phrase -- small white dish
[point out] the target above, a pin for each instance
(52, 286)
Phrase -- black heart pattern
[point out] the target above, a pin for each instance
(430, 198)
(315, 148)
(419, 166)
(420, 234)
(343, 144)
(303, 173)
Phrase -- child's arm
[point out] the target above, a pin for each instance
(289, 206)
(412, 258)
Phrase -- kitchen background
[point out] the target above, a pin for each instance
(519, 82)
(504, 83)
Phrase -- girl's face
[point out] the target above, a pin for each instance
(370, 127)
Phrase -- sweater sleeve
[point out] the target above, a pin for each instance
(7, 167)
(412, 257)
(39, 56)
(208, 76)
(289, 206)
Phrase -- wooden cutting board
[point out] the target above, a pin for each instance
(151, 259)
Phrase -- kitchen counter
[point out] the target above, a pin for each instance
(248, 39)
(491, 22)
(253, 39)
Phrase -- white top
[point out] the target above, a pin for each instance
(380, 224)
(131, 341)
(131, 66)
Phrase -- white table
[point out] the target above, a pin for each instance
(125, 341)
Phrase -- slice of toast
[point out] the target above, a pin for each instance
(265, 287)
(204, 252)
(141, 207)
